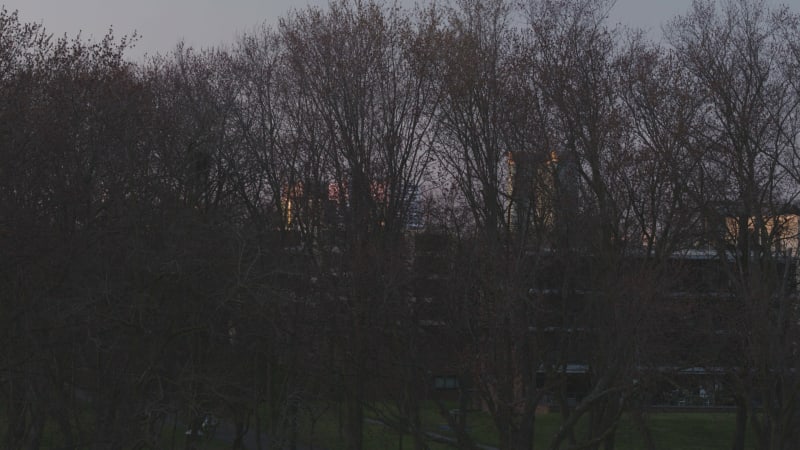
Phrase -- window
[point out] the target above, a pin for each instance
(445, 382)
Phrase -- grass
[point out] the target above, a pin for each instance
(691, 431)
(52, 437)
(671, 430)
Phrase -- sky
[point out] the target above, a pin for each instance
(161, 24)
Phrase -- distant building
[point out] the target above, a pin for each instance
(333, 199)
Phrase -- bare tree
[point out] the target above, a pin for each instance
(359, 73)
(621, 208)
(493, 150)
(737, 56)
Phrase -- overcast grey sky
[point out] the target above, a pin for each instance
(204, 23)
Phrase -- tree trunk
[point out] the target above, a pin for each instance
(741, 423)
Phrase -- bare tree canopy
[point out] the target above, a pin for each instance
(376, 217)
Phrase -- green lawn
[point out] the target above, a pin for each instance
(686, 431)
(673, 431)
